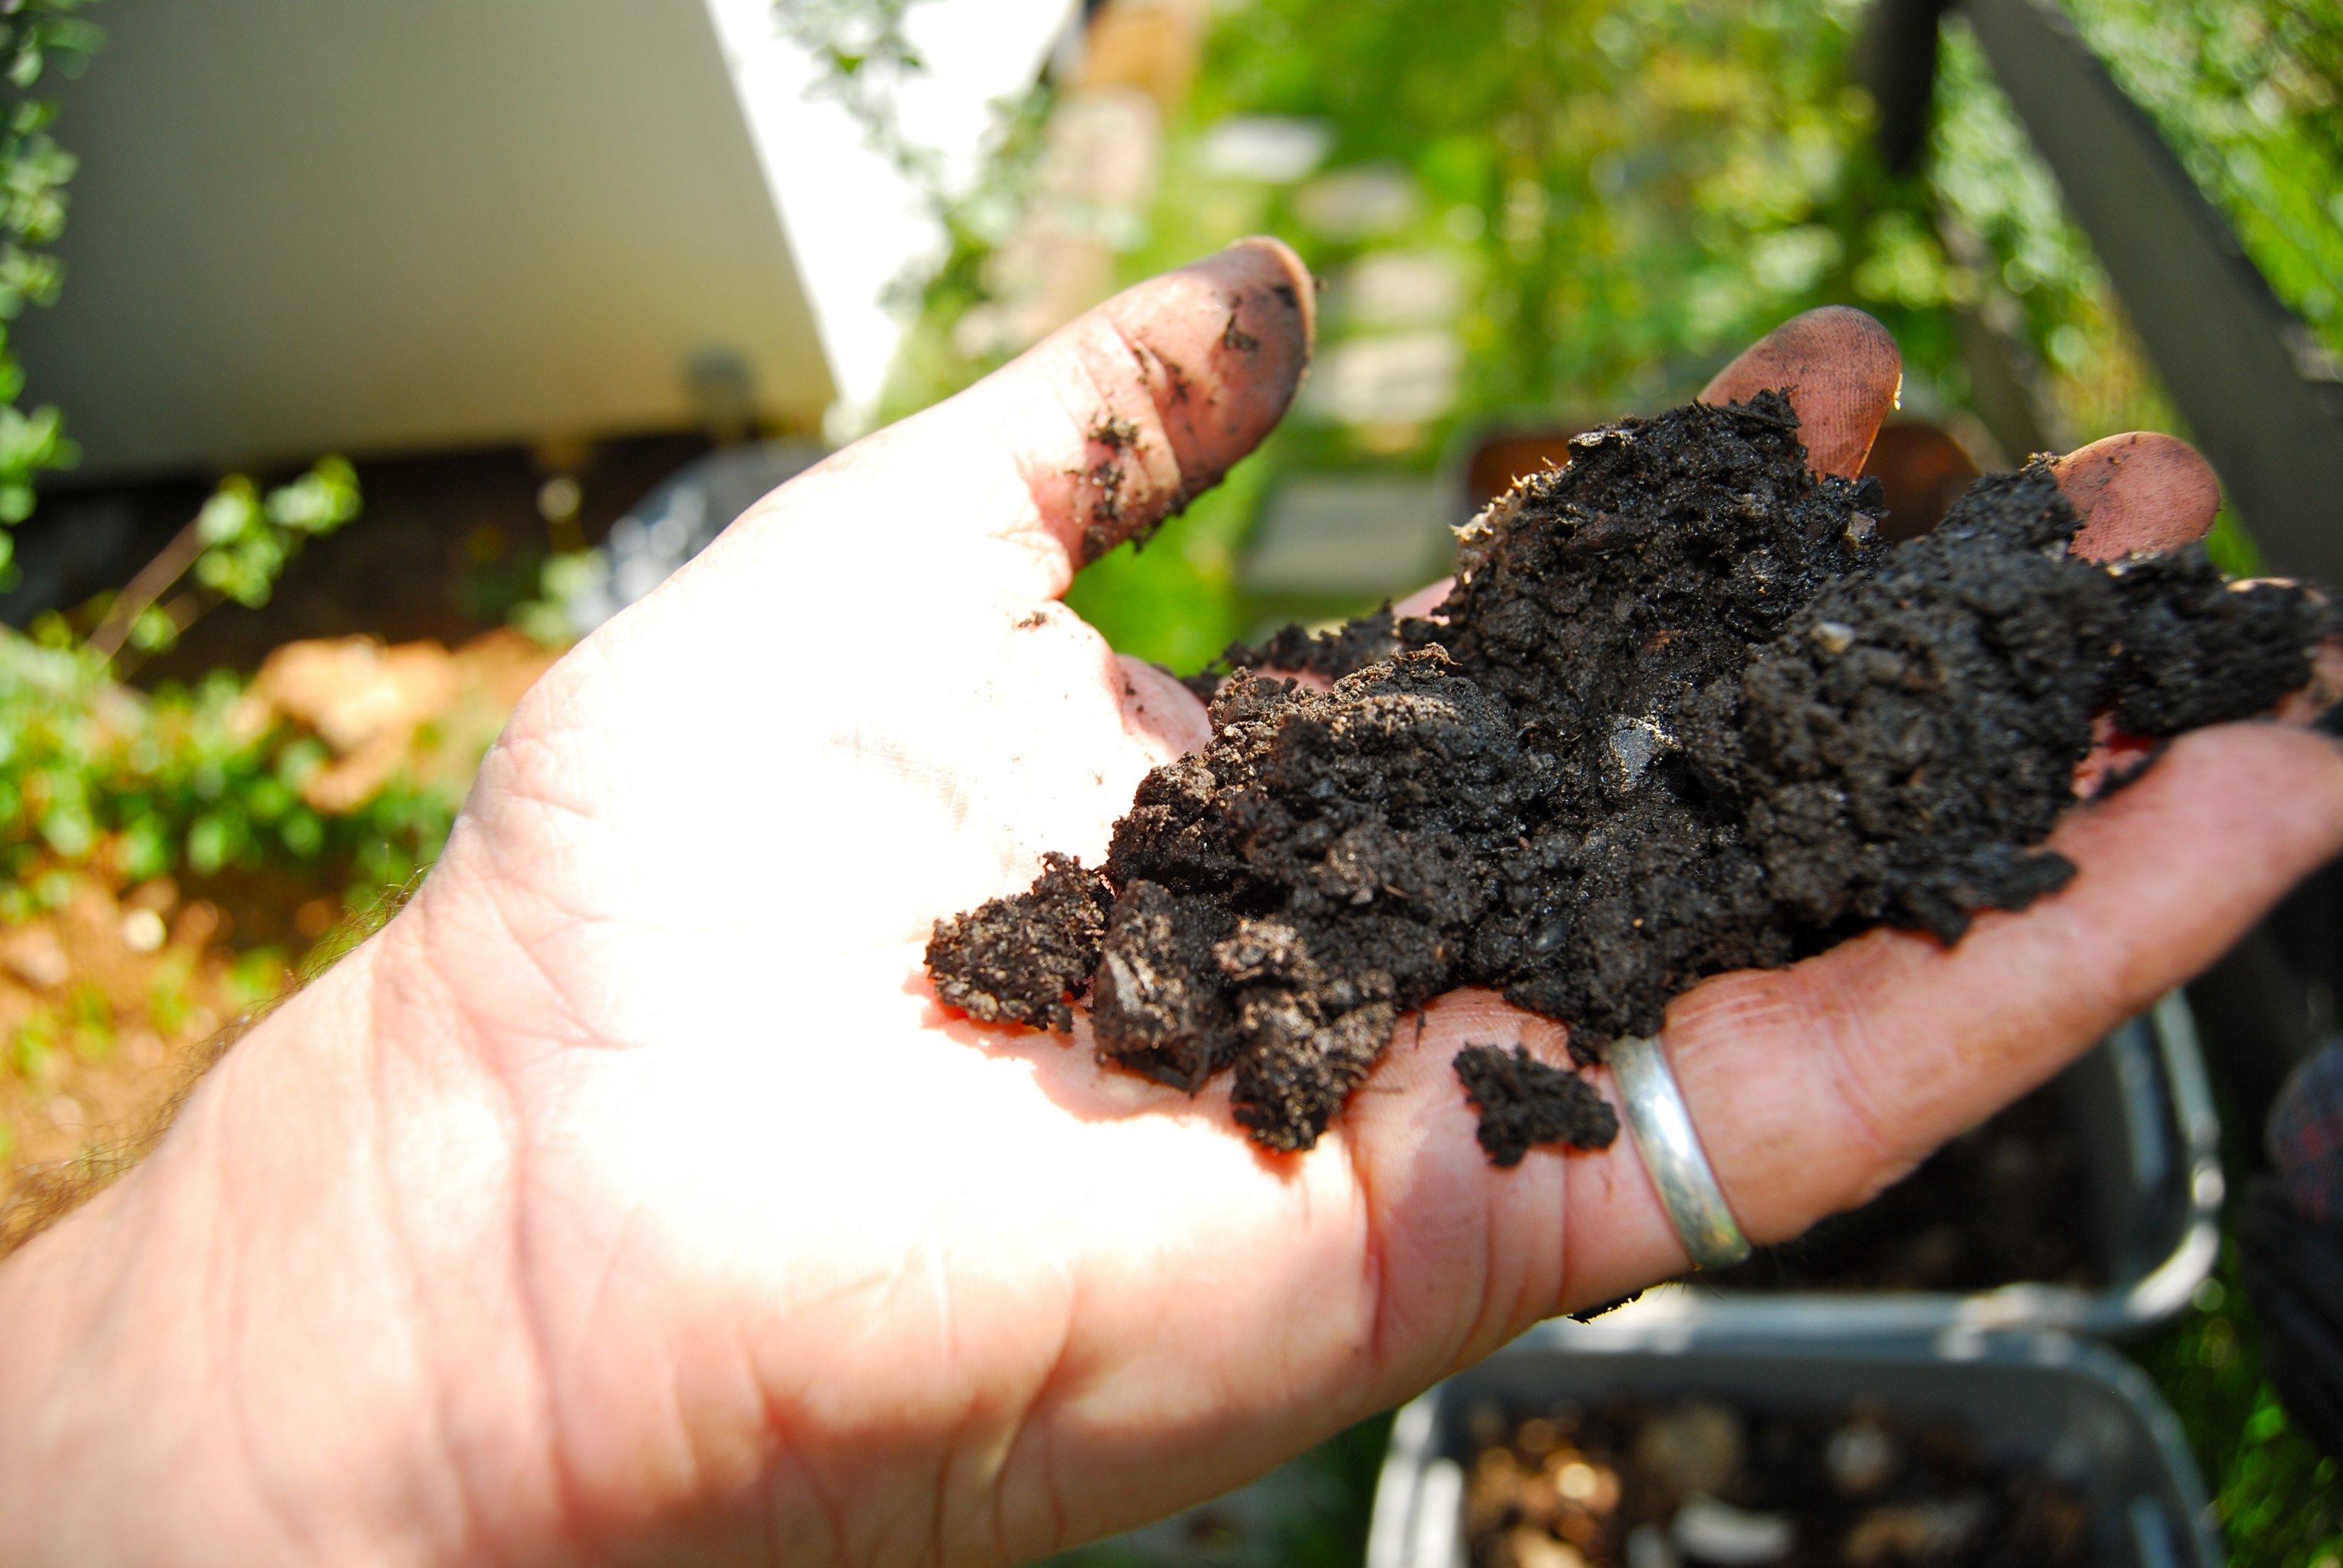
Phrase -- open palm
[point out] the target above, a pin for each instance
(755, 1249)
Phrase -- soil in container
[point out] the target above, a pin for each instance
(1995, 1206)
(1637, 1485)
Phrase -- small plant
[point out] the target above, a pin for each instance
(96, 777)
(236, 548)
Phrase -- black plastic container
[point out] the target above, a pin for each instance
(2152, 1144)
(2075, 1407)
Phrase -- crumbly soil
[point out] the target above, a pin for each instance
(1524, 1102)
(1628, 1483)
(1016, 961)
(1684, 712)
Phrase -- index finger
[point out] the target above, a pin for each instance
(2138, 494)
(1842, 374)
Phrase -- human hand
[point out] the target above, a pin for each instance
(631, 1195)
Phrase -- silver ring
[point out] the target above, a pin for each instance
(1672, 1153)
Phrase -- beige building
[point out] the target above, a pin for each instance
(303, 225)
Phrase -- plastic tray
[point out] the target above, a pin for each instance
(2153, 1150)
(2088, 1414)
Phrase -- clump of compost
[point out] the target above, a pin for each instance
(1524, 1102)
(1684, 712)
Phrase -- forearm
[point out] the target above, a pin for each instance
(257, 1347)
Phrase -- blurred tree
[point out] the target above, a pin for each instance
(1651, 184)
(1643, 184)
(863, 55)
(1636, 188)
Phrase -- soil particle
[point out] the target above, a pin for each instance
(1336, 843)
(1523, 1101)
(1685, 711)
(2196, 647)
(1892, 753)
(1104, 479)
(1104, 528)
(1164, 1023)
(1235, 339)
(1176, 374)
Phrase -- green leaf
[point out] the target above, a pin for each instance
(232, 512)
(154, 631)
(317, 502)
(209, 843)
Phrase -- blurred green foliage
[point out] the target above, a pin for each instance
(96, 777)
(2249, 94)
(249, 537)
(2279, 1499)
(37, 38)
(236, 548)
(1644, 187)
(863, 54)
(1633, 189)
(1648, 185)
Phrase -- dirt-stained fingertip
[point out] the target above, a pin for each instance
(1194, 367)
(2140, 493)
(1843, 373)
(1297, 291)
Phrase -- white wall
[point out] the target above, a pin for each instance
(356, 226)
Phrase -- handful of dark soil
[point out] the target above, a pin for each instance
(1683, 713)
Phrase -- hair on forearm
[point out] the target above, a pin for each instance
(46, 1193)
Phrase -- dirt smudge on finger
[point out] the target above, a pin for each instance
(1235, 339)
(1105, 520)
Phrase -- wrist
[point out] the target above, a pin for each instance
(294, 1332)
